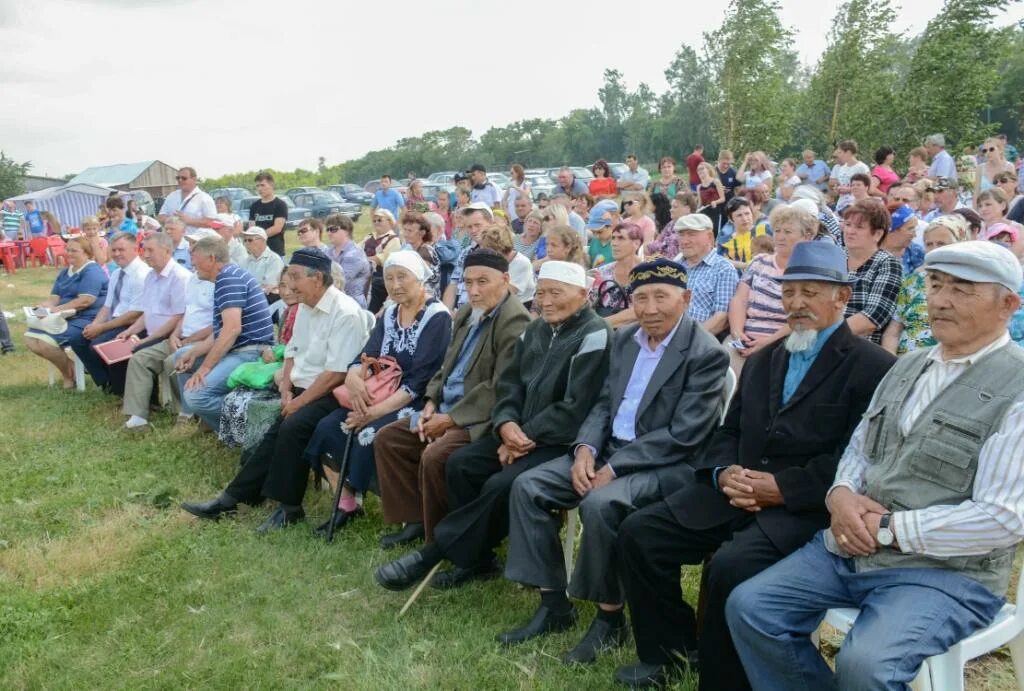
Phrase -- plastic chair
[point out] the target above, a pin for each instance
(946, 672)
(38, 251)
(79, 371)
(9, 254)
(58, 250)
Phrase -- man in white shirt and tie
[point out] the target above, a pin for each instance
(118, 313)
(927, 504)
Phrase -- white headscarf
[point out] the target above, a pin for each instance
(409, 260)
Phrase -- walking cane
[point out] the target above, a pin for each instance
(341, 482)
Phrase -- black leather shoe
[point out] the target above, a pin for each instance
(404, 572)
(210, 510)
(340, 521)
(411, 532)
(544, 621)
(458, 576)
(641, 675)
(601, 636)
(280, 519)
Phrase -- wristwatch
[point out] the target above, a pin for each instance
(885, 536)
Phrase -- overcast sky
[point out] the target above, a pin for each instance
(231, 86)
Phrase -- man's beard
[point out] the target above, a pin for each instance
(800, 341)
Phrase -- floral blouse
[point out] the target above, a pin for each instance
(912, 313)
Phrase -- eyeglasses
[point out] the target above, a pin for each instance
(629, 202)
(379, 219)
(988, 149)
(181, 177)
(333, 229)
(251, 239)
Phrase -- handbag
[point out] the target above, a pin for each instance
(383, 376)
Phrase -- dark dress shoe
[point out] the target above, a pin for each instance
(210, 510)
(340, 521)
(280, 519)
(458, 576)
(643, 675)
(404, 572)
(544, 621)
(411, 532)
(602, 635)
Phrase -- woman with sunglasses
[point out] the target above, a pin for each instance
(310, 233)
(634, 210)
(349, 256)
(378, 246)
(993, 163)
(1007, 183)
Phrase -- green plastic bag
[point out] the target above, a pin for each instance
(257, 375)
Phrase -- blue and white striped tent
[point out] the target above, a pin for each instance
(69, 203)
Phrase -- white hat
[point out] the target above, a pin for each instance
(805, 205)
(255, 231)
(200, 233)
(977, 261)
(407, 259)
(697, 222)
(565, 272)
(478, 206)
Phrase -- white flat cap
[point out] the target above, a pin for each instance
(698, 222)
(977, 261)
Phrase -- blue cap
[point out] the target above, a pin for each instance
(817, 261)
(596, 219)
(900, 215)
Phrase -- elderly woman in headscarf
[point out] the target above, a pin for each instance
(414, 329)
(910, 327)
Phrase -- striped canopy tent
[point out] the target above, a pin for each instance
(69, 203)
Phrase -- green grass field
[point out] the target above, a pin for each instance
(105, 583)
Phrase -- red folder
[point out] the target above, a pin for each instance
(115, 351)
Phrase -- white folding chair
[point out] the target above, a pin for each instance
(946, 672)
(79, 371)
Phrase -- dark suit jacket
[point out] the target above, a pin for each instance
(492, 353)
(800, 442)
(680, 407)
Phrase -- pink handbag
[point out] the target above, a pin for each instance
(383, 377)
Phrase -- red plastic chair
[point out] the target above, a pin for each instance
(58, 250)
(9, 256)
(37, 251)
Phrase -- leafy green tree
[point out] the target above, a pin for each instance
(953, 73)
(11, 174)
(752, 93)
(684, 116)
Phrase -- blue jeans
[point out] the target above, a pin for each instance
(906, 615)
(206, 401)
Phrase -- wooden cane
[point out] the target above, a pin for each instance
(419, 589)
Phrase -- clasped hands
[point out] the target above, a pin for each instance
(584, 477)
(432, 425)
(514, 443)
(750, 490)
(855, 520)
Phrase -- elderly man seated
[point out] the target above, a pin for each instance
(329, 332)
(241, 329)
(157, 360)
(760, 482)
(411, 453)
(711, 278)
(661, 400)
(543, 395)
(120, 311)
(263, 263)
(926, 506)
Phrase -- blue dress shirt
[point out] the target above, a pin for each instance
(800, 363)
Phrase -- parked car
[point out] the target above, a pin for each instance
(232, 193)
(323, 204)
(351, 193)
(617, 169)
(295, 213)
(580, 172)
(143, 199)
(301, 190)
(444, 176)
(540, 184)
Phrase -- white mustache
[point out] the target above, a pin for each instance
(802, 315)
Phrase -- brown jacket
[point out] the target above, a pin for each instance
(493, 352)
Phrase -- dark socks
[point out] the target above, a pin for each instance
(555, 600)
(615, 618)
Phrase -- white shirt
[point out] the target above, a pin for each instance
(198, 306)
(236, 252)
(195, 203)
(131, 290)
(843, 173)
(522, 278)
(164, 295)
(327, 338)
(993, 517)
(266, 268)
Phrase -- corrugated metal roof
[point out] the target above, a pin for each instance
(118, 174)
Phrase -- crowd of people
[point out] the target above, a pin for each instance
(806, 377)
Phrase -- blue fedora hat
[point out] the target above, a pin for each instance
(817, 261)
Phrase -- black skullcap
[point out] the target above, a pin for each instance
(657, 271)
(486, 257)
(311, 257)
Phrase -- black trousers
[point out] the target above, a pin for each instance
(478, 494)
(276, 468)
(652, 548)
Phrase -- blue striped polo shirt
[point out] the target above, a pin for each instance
(235, 287)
